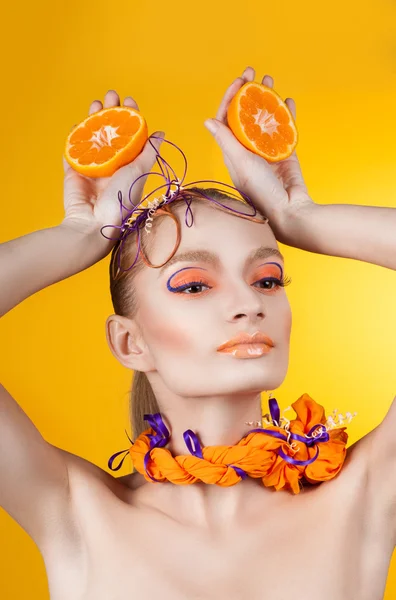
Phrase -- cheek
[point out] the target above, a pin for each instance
(283, 316)
(165, 335)
(287, 324)
(172, 339)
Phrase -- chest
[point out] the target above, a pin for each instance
(322, 542)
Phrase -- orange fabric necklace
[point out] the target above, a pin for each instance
(282, 453)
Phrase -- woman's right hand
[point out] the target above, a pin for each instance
(90, 203)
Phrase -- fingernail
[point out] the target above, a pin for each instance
(158, 134)
(211, 125)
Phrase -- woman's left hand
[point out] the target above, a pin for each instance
(277, 189)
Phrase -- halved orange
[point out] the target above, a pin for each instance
(106, 140)
(262, 122)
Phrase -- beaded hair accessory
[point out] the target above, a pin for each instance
(141, 215)
(282, 453)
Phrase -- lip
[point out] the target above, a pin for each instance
(258, 338)
(247, 350)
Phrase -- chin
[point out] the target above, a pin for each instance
(251, 381)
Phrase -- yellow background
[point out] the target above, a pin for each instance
(338, 61)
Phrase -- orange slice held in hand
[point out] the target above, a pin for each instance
(106, 140)
(262, 122)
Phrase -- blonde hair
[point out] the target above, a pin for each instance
(123, 295)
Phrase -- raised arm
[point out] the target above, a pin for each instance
(34, 261)
(365, 233)
(34, 483)
(35, 476)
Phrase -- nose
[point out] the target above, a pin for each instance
(246, 303)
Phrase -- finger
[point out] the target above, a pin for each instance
(292, 106)
(111, 99)
(66, 166)
(95, 106)
(148, 155)
(228, 143)
(247, 75)
(268, 81)
(129, 101)
(221, 114)
(143, 163)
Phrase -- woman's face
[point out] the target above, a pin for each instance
(183, 327)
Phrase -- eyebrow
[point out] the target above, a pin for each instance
(210, 257)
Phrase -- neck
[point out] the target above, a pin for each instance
(216, 420)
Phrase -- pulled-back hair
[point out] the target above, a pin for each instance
(124, 298)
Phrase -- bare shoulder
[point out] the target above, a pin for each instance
(379, 447)
(90, 486)
(353, 479)
(359, 451)
(81, 470)
(95, 496)
(371, 462)
(357, 461)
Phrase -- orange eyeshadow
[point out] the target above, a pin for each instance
(188, 275)
(268, 271)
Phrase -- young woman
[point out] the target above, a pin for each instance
(105, 537)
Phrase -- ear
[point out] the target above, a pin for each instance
(126, 343)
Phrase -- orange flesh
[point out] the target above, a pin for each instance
(99, 140)
(262, 122)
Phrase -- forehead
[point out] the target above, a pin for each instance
(204, 222)
(215, 236)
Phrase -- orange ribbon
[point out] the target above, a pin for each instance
(258, 454)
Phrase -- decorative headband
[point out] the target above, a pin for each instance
(141, 214)
(317, 452)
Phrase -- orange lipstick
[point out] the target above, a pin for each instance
(247, 346)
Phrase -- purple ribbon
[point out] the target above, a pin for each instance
(127, 229)
(159, 440)
(197, 451)
(306, 439)
(111, 459)
(162, 436)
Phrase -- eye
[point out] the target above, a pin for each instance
(195, 287)
(189, 285)
(274, 282)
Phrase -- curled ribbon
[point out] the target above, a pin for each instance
(139, 214)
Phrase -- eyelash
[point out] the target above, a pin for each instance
(187, 285)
